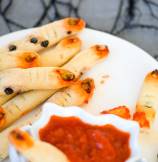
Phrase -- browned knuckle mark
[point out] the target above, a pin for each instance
(101, 50)
(66, 75)
(87, 85)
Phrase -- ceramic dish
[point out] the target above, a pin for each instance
(50, 109)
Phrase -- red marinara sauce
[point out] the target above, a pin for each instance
(82, 142)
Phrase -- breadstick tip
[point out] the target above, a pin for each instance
(88, 85)
(101, 50)
(73, 24)
(66, 75)
(20, 139)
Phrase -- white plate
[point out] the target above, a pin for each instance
(126, 66)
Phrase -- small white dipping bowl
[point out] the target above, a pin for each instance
(50, 109)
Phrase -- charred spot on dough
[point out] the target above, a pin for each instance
(2, 116)
(69, 32)
(101, 50)
(73, 24)
(87, 85)
(66, 75)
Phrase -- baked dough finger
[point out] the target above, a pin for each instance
(62, 53)
(22, 59)
(147, 104)
(21, 80)
(23, 103)
(55, 56)
(75, 95)
(86, 59)
(46, 36)
(35, 150)
(4, 144)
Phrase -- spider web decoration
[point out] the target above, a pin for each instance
(130, 16)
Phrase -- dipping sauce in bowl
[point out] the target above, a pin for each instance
(83, 142)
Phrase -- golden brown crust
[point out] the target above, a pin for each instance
(101, 50)
(2, 117)
(65, 75)
(147, 101)
(121, 111)
(84, 88)
(149, 112)
(141, 118)
(74, 24)
(20, 139)
(76, 94)
(152, 77)
(71, 42)
(28, 59)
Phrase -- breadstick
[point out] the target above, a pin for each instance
(147, 101)
(4, 144)
(75, 95)
(34, 150)
(63, 51)
(87, 58)
(23, 103)
(55, 56)
(46, 36)
(21, 80)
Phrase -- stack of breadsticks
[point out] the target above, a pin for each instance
(45, 64)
